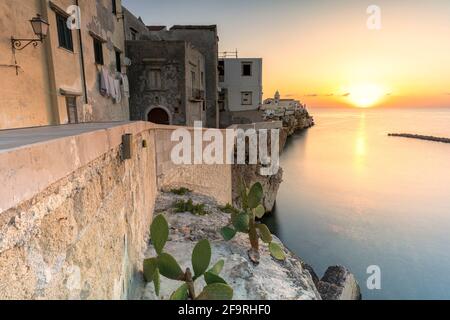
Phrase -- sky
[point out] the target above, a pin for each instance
(323, 53)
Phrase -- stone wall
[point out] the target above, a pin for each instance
(212, 180)
(74, 216)
(82, 237)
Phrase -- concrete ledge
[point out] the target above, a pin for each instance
(32, 159)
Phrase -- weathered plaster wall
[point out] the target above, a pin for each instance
(195, 91)
(74, 216)
(34, 97)
(24, 99)
(97, 17)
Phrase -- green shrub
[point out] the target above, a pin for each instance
(228, 209)
(189, 206)
(164, 264)
(180, 191)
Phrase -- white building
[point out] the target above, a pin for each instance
(240, 82)
(281, 107)
(283, 104)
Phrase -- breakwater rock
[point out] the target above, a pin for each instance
(339, 284)
(269, 280)
(420, 137)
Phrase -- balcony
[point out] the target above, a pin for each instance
(197, 95)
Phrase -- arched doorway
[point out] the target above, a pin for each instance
(158, 115)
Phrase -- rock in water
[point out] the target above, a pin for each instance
(339, 284)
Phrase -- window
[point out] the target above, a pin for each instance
(134, 34)
(114, 7)
(247, 98)
(118, 61)
(193, 84)
(246, 69)
(155, 79)
(98, 51)
(64, 33)
(221, 71)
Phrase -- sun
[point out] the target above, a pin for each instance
(365, 95)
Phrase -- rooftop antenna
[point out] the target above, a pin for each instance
(229, 54)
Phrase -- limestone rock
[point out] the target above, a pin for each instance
(270, 280)
(339, 284)
(249, 173)
(296, 121)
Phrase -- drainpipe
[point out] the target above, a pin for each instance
(83, 71)
(52, 94)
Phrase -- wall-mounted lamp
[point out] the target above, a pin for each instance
(40, 28)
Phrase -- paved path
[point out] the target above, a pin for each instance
(15, 138)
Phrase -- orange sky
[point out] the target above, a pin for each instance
(320, 51)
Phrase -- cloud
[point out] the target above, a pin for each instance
(319, 95)
(346, 94)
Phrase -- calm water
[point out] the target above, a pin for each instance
(353, 196)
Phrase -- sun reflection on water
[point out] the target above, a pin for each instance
(360, 146)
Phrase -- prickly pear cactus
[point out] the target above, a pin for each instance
(245, 222)
(165, 265)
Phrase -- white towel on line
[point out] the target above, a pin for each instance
(118, 97)
(126, 86)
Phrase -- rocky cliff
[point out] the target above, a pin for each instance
(250, 174)
(293, 121)
(291, 279)
(298, 120)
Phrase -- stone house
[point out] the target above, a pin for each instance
(134, 27)
(206, 41)
(167, 81)
(57, 82)
(169, 75)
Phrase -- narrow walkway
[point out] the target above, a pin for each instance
(15, 138)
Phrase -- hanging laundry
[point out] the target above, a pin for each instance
(111, 87)
(103, 78)
(126, 86)
(118, 98)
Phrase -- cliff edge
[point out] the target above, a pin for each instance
(291, 279)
